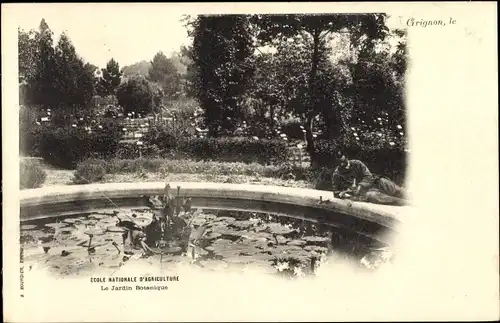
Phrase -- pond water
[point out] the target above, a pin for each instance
(220, 239)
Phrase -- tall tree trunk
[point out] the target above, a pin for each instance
(312, 98)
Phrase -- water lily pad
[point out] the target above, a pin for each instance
(296, 243)
(107, 222)
(318, 249)
(67, 232)
(281, 239)
(230, 233)
(56, 225)
(260, 228)
(38, 235)
(278, 228)
(89, 222)
(70, 220)
(227, 219)
(211, 235)
(116, 229)
(242, 225)
(256, 237)
(285, 249)
(220, 242)
(28, 227)
(206, 216)
(94, 232)
(98, 216)
(313, 239)
(239, 260)
(142, 221)
(80, 226)
(125, 216)
(198, 221)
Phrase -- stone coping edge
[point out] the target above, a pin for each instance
(385, 215)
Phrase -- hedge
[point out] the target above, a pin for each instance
(176, 144)
(65, 147)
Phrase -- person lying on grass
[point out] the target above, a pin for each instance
(353, 180)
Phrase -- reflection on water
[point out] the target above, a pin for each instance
(219, 240)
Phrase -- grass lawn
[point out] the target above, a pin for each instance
(65, 177)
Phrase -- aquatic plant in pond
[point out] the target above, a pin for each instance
(170, 232)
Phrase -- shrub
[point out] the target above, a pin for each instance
(31, 174)
(30, 140)
(127, 151)
(137, 95)
(246, 150)
(65, 147)
(132, 150)
(91, 171)
(164, 137)
(178, 144)
(29, 131)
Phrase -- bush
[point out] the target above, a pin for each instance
(137, 95)
(246, 150)
(90, 171)
(30, 140)
(31, 174)
(65, 147)
(164, 137)
(178, 144)
(236, 150)
(29, 131)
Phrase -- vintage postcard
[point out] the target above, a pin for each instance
(250, 162)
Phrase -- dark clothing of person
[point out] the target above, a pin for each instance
(373, 188)
(344, 177)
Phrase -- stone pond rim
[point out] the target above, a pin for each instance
(66, 200)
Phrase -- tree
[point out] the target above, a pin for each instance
(27, 63)
(378, 90)
(91, 68)
(111, 78)
(137, 95)
(27, 56)
(74, 82)
(52, 77)
(281, 79)
(164, 72)
(37, 67)
(222, 49)
(188, 79)
(364, 28)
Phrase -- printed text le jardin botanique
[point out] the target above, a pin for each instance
(134, 283)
